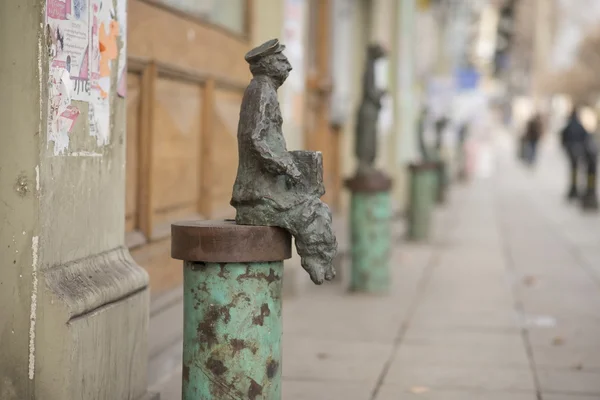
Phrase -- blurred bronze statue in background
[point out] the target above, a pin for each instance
(368, 113)
(276, 187)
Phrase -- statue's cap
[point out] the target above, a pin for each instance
(268, 48)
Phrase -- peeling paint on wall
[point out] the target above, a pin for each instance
(61, 113)
(33, 309)
(85, 154)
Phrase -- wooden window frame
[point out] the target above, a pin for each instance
(245, 36)
(147, 231)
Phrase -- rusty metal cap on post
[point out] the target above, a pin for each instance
(228, 242)
(374, 182)
(423, 166)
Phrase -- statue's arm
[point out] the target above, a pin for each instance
(277, 164)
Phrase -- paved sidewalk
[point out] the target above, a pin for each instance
(503, 304)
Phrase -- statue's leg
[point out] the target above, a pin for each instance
(310, 224)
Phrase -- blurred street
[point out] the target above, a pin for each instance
(501, 305)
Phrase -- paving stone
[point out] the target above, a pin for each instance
(472, 321)
(547, 396)
(567, 356)
(466, 355)
(465, 378)
(580, 332)
(570, 382)
(342, 361)
(324, 390)
(390, 392)
(461, 337)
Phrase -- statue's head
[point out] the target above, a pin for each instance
(268, 59)
(375, 51)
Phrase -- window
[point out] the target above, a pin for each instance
(229, 14)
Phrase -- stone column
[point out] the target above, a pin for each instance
(74, 309)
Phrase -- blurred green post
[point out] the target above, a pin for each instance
(423, 192)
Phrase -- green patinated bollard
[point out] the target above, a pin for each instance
(441, 182)
(232, 309)
(370, 225)
(423, 188)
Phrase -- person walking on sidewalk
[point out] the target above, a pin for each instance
(533, 133)
(573, 138)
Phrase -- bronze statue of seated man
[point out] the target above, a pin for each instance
(276, 187)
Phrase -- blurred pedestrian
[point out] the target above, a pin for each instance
(532, 136)
(573, 138)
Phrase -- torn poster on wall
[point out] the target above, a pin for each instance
(122, 71)
(83, 49)
(62, 114)
(68, 35)
(67, 24)
(104, 33)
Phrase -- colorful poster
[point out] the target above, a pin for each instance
(122, 71)
(67, 24)
(104, 31)
(83, 37)
(67, 30)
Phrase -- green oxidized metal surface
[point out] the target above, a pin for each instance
(442, 183)
(232, 331)
(370, 220)
(423, 189)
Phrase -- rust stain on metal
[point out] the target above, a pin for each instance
(272, 368)
(258, 275)
(216, 366)
(254, 390)
(222, 270)
(207, 335)
(238, 345)
(265, 311)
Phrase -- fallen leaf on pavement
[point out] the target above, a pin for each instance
(322, 356)
(419, 389)
(558, 341)
(529, 280)
(578, 367)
